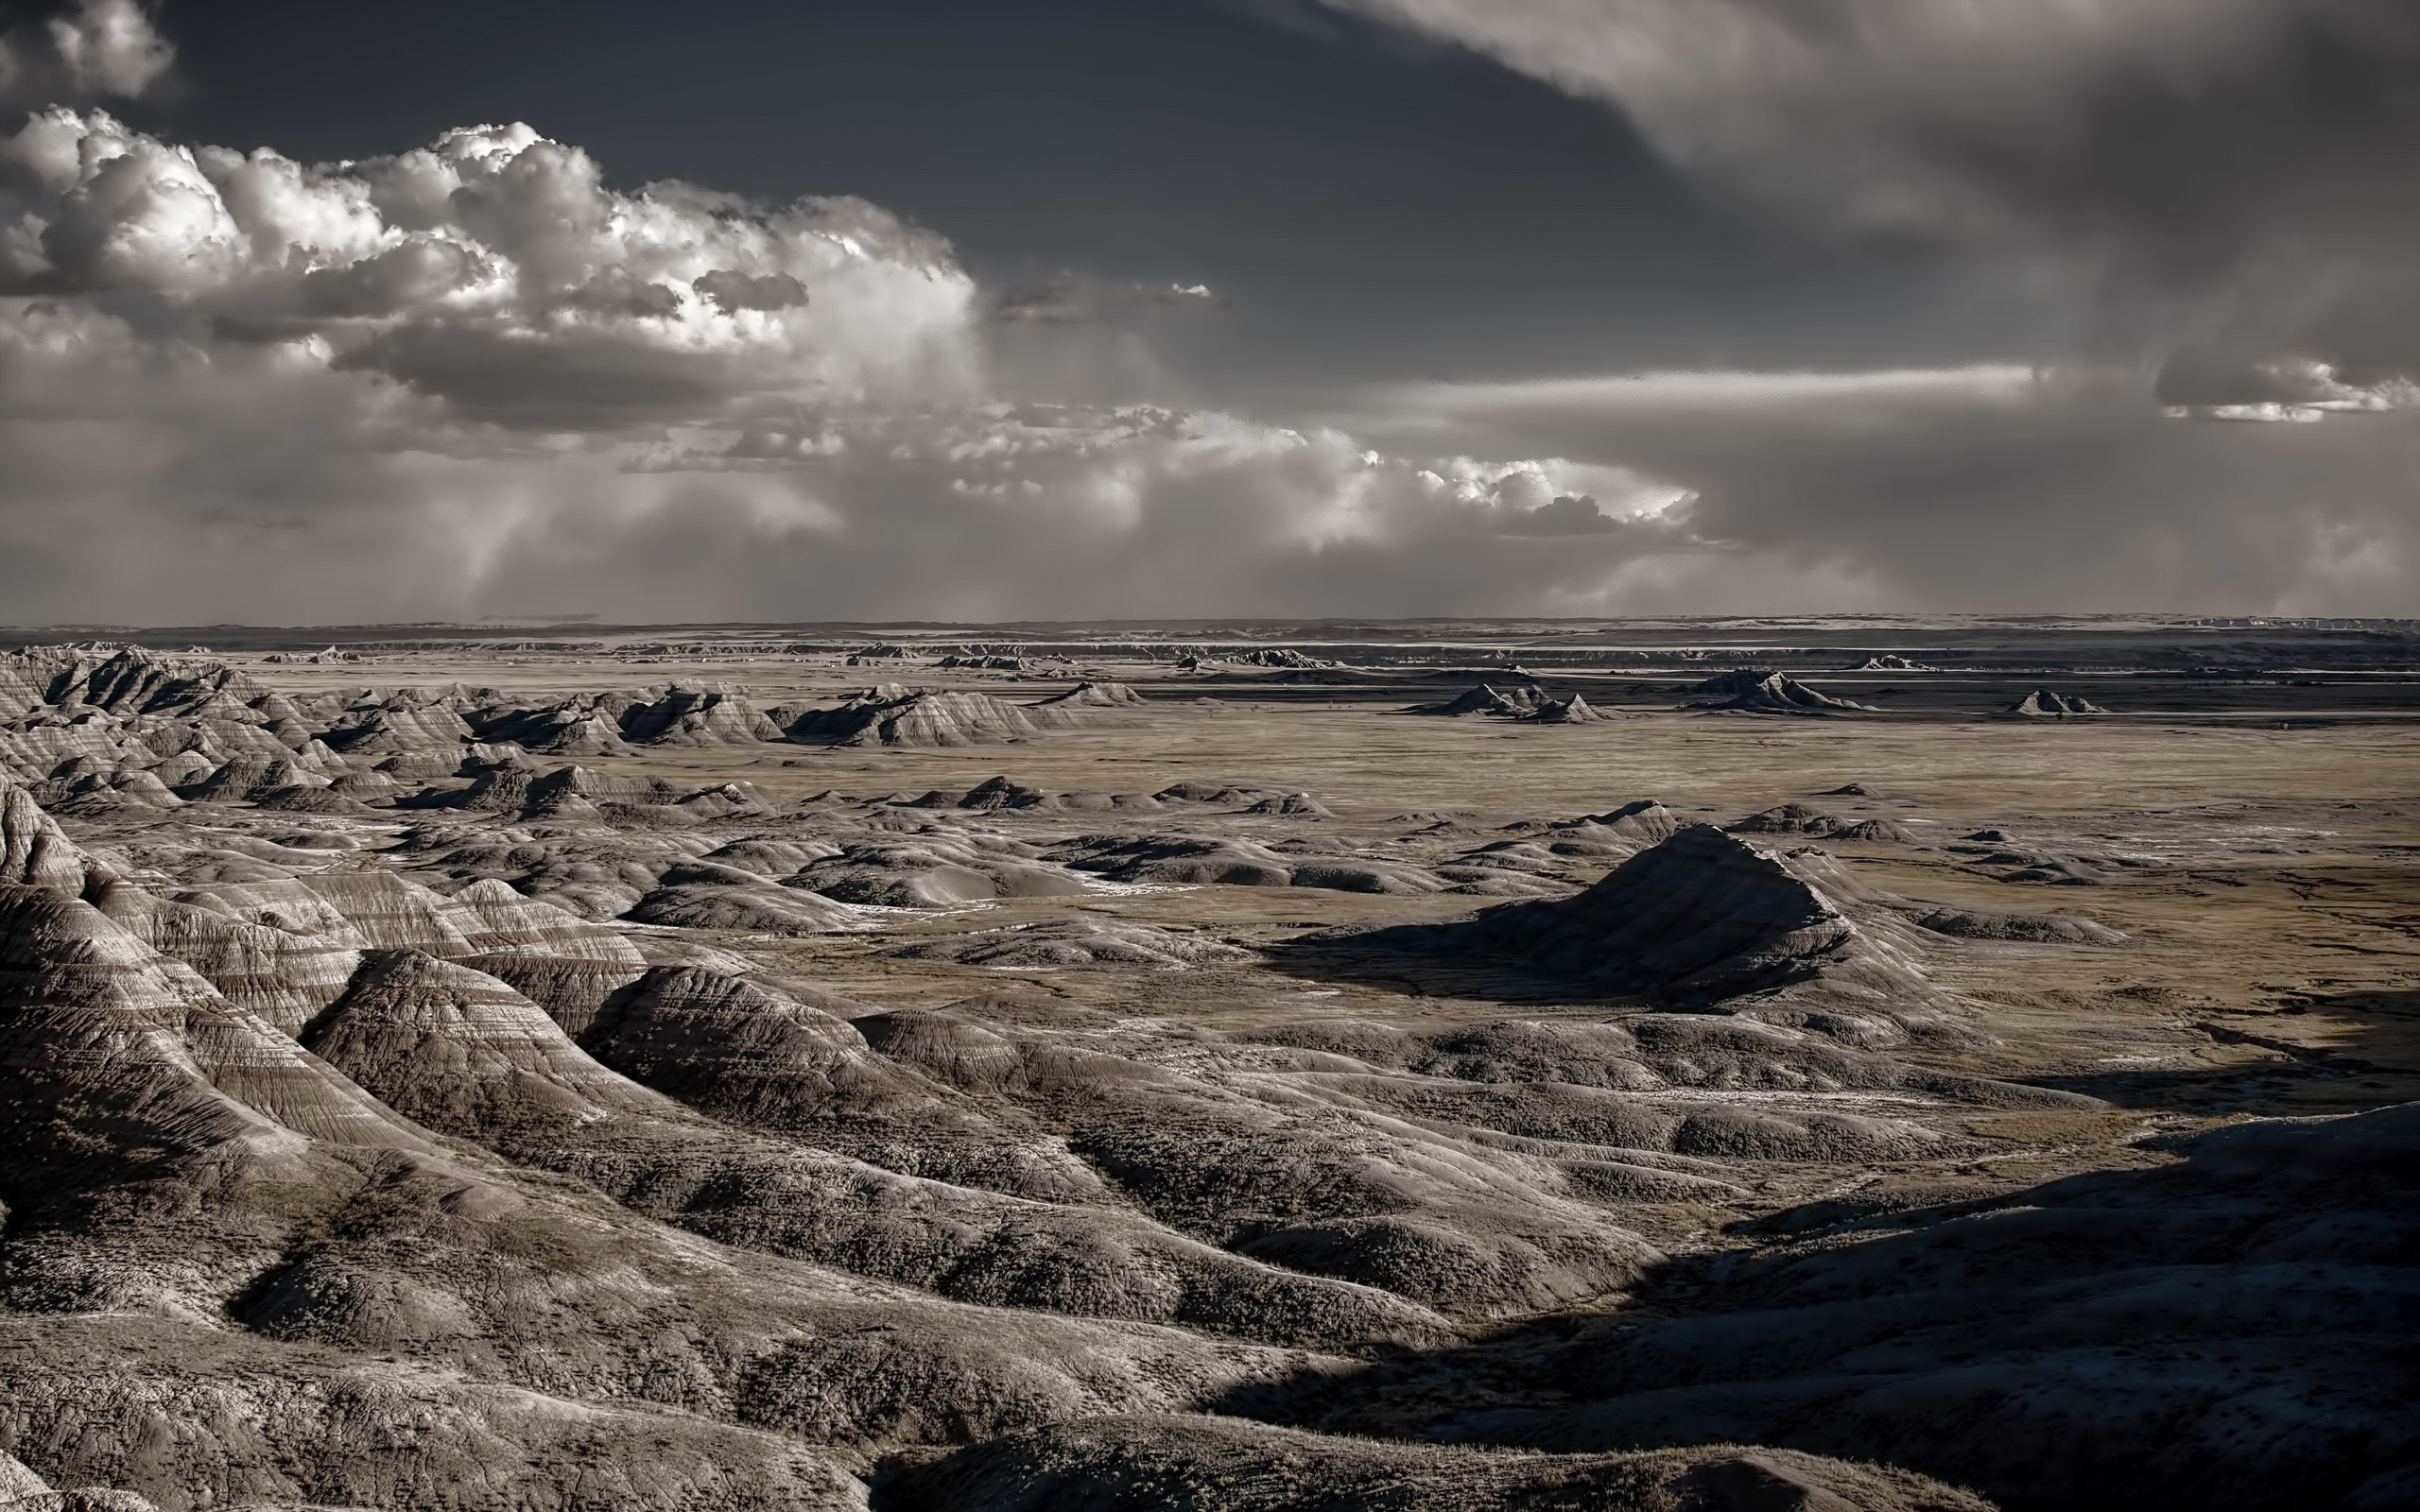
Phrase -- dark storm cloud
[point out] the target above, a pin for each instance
(2221, 189)
(2229, 179)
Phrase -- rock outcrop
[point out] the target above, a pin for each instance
(2042, 703)
(1572, 710)
(1510, 703)
(34, 853)
(1769, 692)
(942, 719)
(1790, 818)
(1699, 919)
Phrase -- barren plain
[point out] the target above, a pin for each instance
(1695, 1065)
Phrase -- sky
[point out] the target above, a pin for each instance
(994, 309)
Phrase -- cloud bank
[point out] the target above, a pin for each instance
(477, 378)
(2228, 179)
(1989, 488)
(474, 379)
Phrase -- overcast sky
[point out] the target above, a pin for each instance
(1006, 308)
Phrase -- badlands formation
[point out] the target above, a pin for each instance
(1700, 1066)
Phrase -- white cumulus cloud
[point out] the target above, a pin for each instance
(474, 379)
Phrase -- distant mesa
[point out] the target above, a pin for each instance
(1091, 696)
(1336, 676)
(983, 663)
(2044, 704)
(92, 727)
(1523, 702)
(1774, 693)
(606, 724)
(697, 716)
(1511, 702)
(1280, 656)
(879, 716)
(891, 714)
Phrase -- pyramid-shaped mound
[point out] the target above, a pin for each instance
(1769, 692)
(1094, 696)
(1572, 710)
(1486, 698)
(743, 1049)
(1706, 917)
(699, 717)
(1644, 821)
(2044, 704)
(1789, 819)
(34, 852)
(883, 717)
(93, 1018)
(458, 1049)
